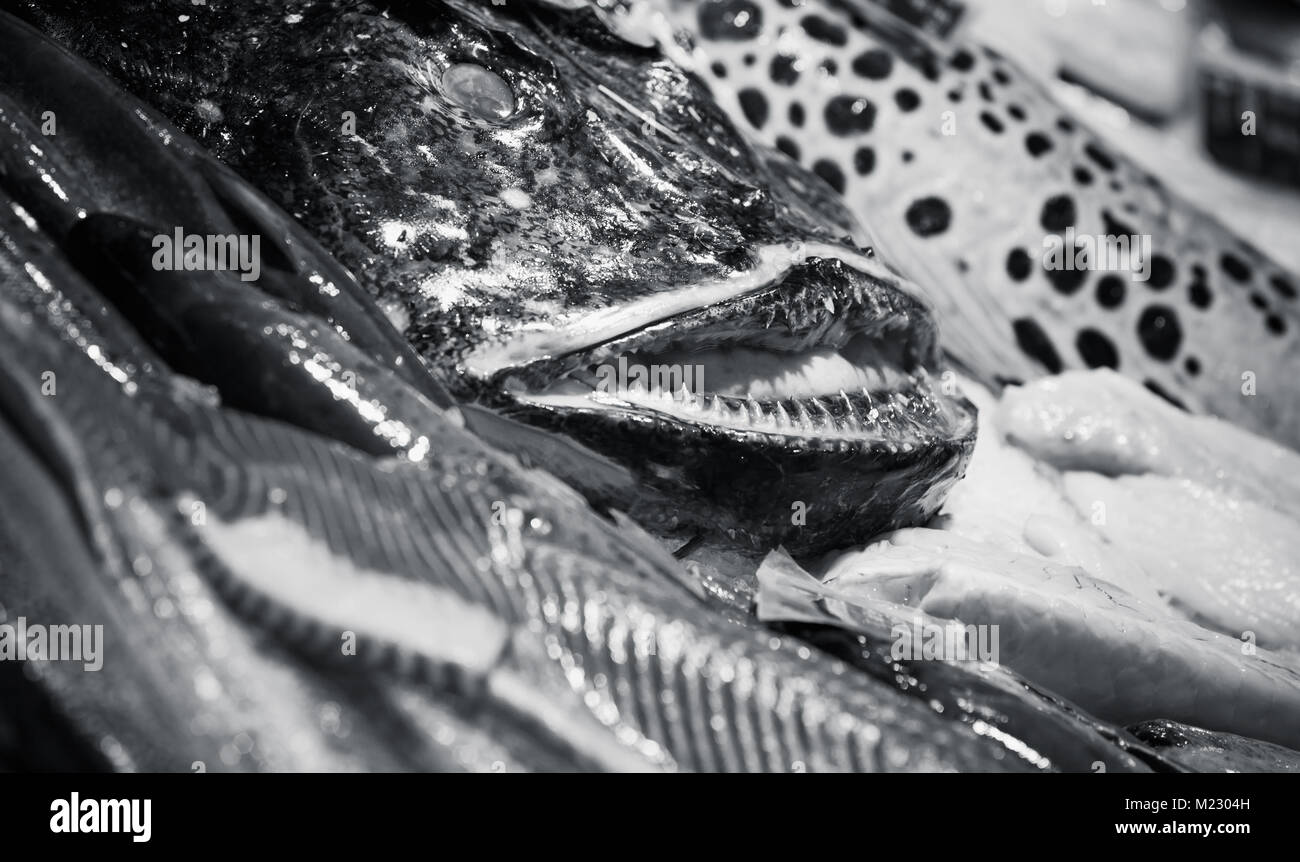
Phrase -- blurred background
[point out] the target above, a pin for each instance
(1172, 82)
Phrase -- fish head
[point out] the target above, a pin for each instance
(586, 244)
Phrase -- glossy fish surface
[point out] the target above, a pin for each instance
(1205, 751)
(988, 696)
(1119, 657)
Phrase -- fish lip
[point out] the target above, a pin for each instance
(814, 303)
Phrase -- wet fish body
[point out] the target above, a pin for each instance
(1112, 653)
(1223, 547)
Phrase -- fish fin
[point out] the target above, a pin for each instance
(788, 593)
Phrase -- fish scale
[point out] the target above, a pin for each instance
(864, 102)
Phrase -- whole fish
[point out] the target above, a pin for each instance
(568, 229)
(230, 541)
(1041, 245)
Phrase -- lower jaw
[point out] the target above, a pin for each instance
(756, 490)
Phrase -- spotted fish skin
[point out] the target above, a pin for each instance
(960, 166)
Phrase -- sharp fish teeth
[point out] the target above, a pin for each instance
(828, 419)
(781, 417)
(850, 414)
(805, 420)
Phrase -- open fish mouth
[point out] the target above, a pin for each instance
(819, 381)
(812, 365)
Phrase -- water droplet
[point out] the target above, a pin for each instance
(481, 92)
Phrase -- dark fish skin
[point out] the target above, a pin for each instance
(423, 204)
(996, 699)
(86, 184)
(345, 55)
(1209, 751)
(185, 680)
(261, 355)
(96, 166)
(151, 707)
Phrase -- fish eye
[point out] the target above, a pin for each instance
(482, 92)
